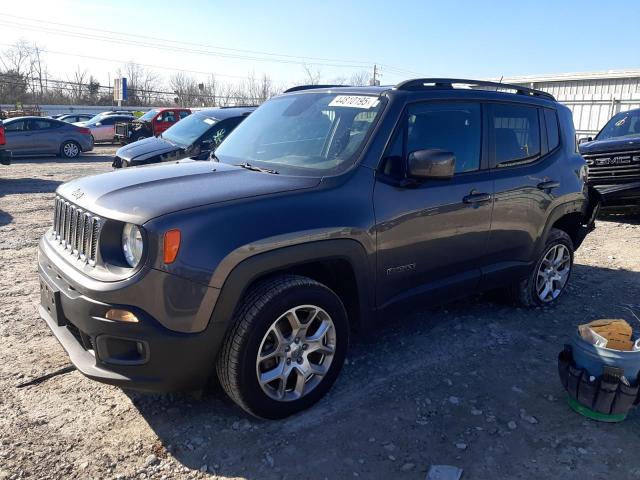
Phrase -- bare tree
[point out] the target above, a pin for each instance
(142, 83)
(359, 79)
(185, 88)
(311, 76)
(77, 86)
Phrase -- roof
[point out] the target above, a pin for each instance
(227, 112)
(563, 77)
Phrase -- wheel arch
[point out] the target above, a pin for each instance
(342, 265)
(570, 218)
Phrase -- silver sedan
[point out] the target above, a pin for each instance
(103, 129)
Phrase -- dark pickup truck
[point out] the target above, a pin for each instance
(613, 160)
(320, 211)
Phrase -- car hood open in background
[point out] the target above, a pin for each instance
(137, 195)
(147, 148)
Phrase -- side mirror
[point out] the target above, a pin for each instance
(98, 124)
(584, 140)
(431, 163)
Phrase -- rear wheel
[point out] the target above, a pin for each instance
(70, 149)
(548, 279)
(285, 348)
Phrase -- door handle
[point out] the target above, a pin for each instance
(477, 198)
(548, 185)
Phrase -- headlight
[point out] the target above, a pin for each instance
(132, 244)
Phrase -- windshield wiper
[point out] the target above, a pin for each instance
(253, 168)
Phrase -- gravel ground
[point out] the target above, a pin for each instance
(471, 384)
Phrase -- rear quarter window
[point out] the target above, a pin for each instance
(553, 128)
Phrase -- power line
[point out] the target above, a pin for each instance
(85, 36)
(124, 62)
(285, 58)
(303, 58)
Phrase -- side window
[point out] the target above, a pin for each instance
(553, 129)
(40, 125)
(183, 114)
(17, 126)
(516, 133)
(168, 116)
(108, 121)
(452, 127)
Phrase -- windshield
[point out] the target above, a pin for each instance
(147, 117)
(624, 124)
(187, 131)
(308, 133)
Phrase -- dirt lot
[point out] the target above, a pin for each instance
(472, 384)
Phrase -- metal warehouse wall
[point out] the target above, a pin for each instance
(592, 97)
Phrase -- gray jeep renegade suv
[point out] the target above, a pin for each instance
(324, 207)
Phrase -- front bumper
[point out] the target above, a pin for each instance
(145, 356)
(620, 195)
(5, 157)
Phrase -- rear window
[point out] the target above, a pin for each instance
(553, 129)
(516, 133)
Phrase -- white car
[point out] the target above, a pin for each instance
(103, 128)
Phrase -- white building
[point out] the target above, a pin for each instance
(593, 97)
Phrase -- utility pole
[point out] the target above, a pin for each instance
(374, 80)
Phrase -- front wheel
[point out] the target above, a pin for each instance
(548, 279)
(286, 346)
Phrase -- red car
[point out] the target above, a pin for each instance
(5, 155)
(151, 124)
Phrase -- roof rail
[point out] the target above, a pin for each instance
(309, 87)
(447, 83)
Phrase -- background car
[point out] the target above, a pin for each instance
(196, 136)
(613, 160)
(5, 155)
(151, 124)
(103, 128)
(76, 117)
(46, 136)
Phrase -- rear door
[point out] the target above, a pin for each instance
(44, 136)
(432, 235)
(522, 159)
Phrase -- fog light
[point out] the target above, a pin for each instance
(121, 315)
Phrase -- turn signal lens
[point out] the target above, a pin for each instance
(121, 315)
(171, 245)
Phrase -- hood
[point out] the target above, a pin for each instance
(611, 145)
(137, 195)
(146, 148)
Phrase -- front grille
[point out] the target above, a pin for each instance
(616, 167)
(76, 230)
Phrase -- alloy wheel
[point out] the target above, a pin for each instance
(553, 273)
(296, 352)
(70, 150)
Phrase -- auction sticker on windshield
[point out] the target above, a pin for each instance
(357, 101)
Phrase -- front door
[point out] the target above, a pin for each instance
(432, 235)
(18, 136)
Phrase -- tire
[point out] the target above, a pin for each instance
(259, 315)
(528, 291)
(70, 149)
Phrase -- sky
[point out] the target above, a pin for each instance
(406, 39)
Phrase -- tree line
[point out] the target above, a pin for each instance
(25, 80)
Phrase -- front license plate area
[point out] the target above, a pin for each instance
(50, 300)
